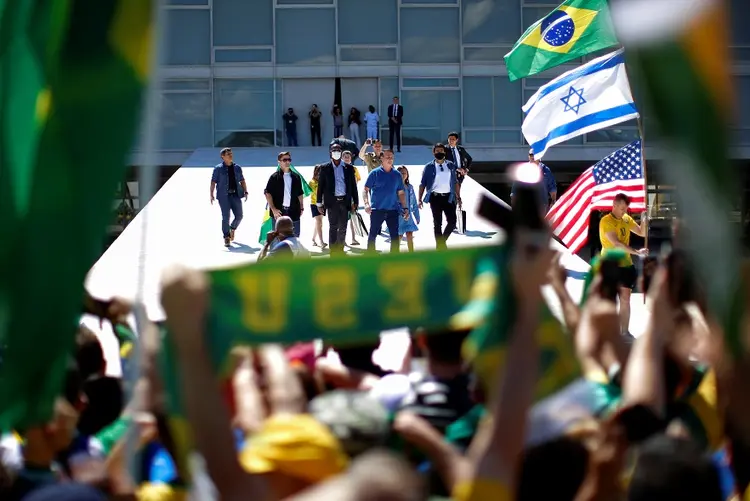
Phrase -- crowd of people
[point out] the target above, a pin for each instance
(666, 415)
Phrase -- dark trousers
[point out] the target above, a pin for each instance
(390, 218)
(291, 136)
(440, 205)
(338, 130)
(231, 203)
(337, 224)
(285, 212)
(315, 135)
(395, 129)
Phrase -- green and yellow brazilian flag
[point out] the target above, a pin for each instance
(574, 29)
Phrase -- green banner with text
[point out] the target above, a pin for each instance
(340, 300)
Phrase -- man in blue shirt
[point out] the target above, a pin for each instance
(388, 201)
(547, 187)
(230, 187)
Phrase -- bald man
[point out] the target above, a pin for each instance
(286, 244)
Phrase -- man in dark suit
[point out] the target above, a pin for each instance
(395, 120)
(284, 192)
(459, 156)
(337, 195)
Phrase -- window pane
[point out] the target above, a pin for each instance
(491, 21)
(429, 82)
(743, 101)
(741, 136)
(243, 55)
(534, 14)
(477, 97)
(618, 134)
(368, 54)
(417, 2)
(512, 137)
(741, 54)
(507, 108)
(739, 15)
(431, 109)
(240, 22)
(485, 54)
(185, 121)
(417, 136)
(355, 29)
(293, 47)
(223, 139)
(204, 85)
(388, 89)
(429, 35)
(187, 2)
(477, 137)
(450, 113)
(421, 108)
(188, 37)
(244, 105)
(304, 2)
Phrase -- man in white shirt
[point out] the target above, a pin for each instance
(284, 193)
(439, 182)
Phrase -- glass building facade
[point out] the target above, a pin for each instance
(232, 67)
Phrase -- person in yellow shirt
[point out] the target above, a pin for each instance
(614, 233)
(317, 216)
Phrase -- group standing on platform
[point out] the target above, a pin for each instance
(389, 197)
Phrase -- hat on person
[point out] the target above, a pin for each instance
(66, 492)
(295, 445)
(359, 421)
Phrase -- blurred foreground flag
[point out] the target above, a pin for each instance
(679, 53)
(591, 97)
(575, 28)
(490, 314)
(70, 91)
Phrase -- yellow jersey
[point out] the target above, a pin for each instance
(314, 195)
(622, 228)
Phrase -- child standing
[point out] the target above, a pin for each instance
(409, 227)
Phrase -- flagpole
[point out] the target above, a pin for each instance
(645, 179)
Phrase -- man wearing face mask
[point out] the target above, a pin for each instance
(439, 181)
(290, 126)
(337, 196)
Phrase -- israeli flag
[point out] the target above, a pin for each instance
(591, 97)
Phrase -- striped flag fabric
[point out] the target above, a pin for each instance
(588, 98)
(595, 189)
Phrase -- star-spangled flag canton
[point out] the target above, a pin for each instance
(595, 189)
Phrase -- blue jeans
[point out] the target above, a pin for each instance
(390, 218)
(285, 212)
(233, 203)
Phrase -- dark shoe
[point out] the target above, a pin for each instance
(231, 235)
(226, 241)
(628, 338)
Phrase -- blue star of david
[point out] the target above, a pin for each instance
(574, 100)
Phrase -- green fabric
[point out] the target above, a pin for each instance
(267, 225)
(70, 91)
(596, 261)
(687, 86)
(592, 31)
(112, 434)
(485, 347)
(461, 431)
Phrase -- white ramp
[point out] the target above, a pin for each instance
(179, 225)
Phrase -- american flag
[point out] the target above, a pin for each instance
(620, 172)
